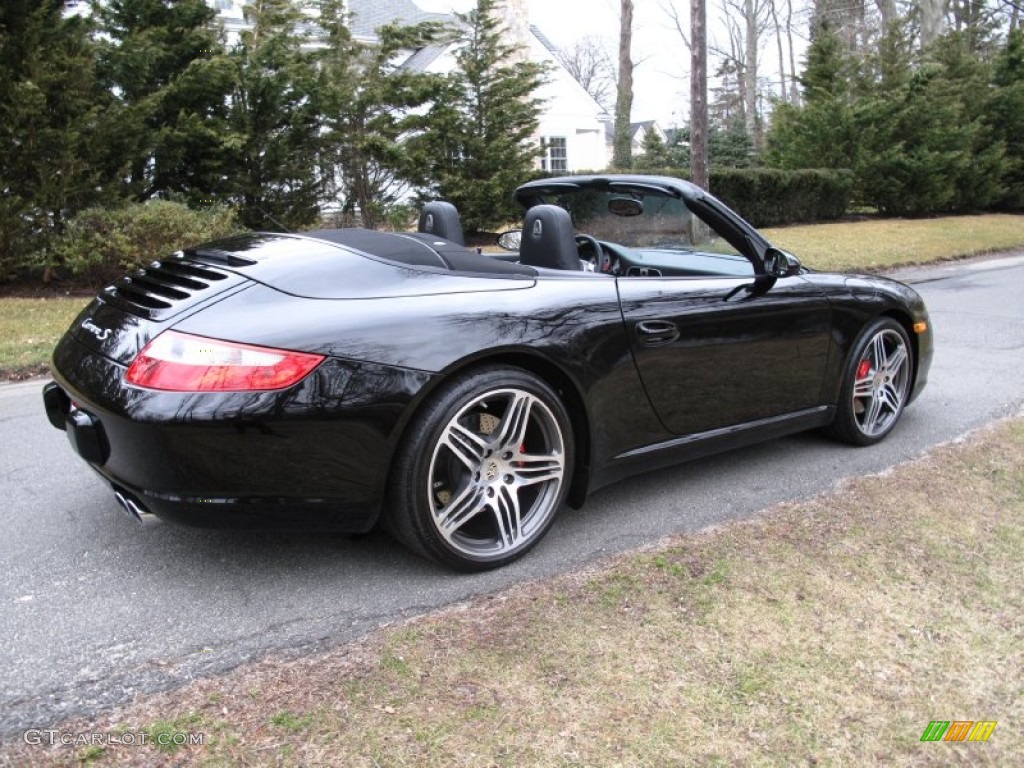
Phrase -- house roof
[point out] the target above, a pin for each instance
(553, 49)
(424, 57)
(672, 135)
(635, 127)
(368, 15)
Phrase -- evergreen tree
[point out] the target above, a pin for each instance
(1004, 115)
(481, 139)
(913, 147)
(50, 108)
(274, 120)
(373, 107)
(821, 132)
(164, 61)
(655, 153)
(924, 147)
(731, 147)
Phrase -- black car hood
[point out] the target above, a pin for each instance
(360, 264)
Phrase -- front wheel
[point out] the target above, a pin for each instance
(484, 468)
(876, 384)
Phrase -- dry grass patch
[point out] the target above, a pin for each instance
(887, 243)
(825, 633)
(29, 330)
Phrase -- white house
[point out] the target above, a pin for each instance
(572, 125)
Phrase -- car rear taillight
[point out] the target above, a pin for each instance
(180, 362)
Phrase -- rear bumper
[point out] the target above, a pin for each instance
(315, 456)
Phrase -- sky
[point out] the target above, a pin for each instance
(662, 79)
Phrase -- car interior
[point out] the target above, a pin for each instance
(549, 243)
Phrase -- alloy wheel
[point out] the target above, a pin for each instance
(496, 473)
(881, 382)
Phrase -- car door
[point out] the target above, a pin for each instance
(716, 351)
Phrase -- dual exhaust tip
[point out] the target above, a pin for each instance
(135, 509)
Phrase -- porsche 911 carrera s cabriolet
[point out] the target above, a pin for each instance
(341, 379)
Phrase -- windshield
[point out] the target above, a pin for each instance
(638, 218)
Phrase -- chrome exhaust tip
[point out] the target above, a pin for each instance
(134, 509)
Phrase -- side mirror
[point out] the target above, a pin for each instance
(510, 240)
(779, 263)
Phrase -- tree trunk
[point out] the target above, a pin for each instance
(750, 71)
(887, 11)
(933, 14)
(782, 58)
(698, 94)
(623, 155)
(794, 92)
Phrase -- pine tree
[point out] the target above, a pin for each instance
(373, 107)
(481, 140)
(654, 155)
(820, 133)
(50, 109)
(1004, 114)
(730, 146)
(274, 120)
(164, 61)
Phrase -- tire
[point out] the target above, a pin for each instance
(485, 466)
(876, 384)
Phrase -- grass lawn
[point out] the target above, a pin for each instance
(881, 244)
(824, 633)
(30, 327)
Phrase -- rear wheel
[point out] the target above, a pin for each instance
(485, 467)
(876, 384)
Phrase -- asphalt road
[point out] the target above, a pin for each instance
(94, 608)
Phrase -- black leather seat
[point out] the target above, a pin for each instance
(441, 219)
(548, 239)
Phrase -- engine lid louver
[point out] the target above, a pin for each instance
(169, 286)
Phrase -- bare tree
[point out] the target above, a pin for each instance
(591, 66)
(746, 21)
(887, 13)
(794, 92)
(778, 43)
(622, 156)
(845, 17)
(933, 17)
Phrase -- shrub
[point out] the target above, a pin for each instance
(100, 243)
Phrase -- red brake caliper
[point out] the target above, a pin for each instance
(522, 449)
(863, 369)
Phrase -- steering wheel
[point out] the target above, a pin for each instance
(599, 261)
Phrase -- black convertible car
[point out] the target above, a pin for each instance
(339, 379)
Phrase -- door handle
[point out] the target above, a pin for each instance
(656, 332)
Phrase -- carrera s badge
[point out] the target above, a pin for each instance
(100, 333)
